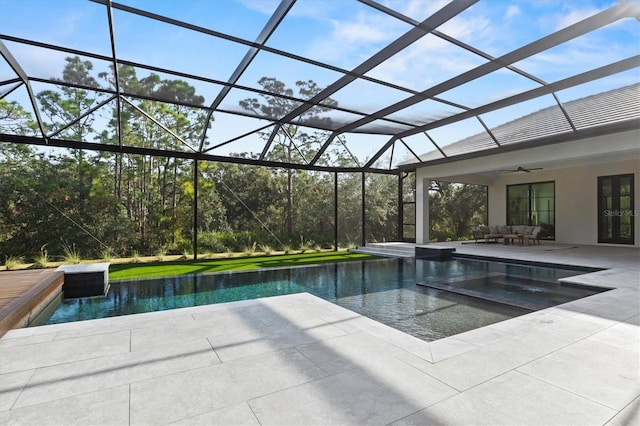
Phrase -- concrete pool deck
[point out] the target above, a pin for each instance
(298, 359)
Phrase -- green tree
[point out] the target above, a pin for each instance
(50, 198)
(291, 144)
(313, 204)
(67, 104)
(350, 208)
(14, 119)
(40, 206)
(157, 192)
(454, 208)
(251, 196)
(381, 207)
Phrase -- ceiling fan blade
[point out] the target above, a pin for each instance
(520, 169)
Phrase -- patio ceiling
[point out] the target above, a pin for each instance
(395, 79)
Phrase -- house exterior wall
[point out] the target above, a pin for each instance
(422, 211)
(576, 198)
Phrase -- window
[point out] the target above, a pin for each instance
(533, 204)
(615, 209)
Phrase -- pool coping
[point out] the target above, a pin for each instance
(571, 267)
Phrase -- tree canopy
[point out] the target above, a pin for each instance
(120, 204)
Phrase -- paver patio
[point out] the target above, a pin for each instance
(298, 359)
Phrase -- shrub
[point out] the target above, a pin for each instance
(347, 245)
(250, 249)
(209, 242)
(179, 246)
(266, 249)
(41, 260)
(106, 255)
(305, 245)
(71, 254)
(160, 254)
(11, 262)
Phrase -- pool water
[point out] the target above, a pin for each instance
(384, 290)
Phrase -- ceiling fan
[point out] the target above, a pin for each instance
(521, 169)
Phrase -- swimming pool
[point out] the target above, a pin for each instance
(384, 290)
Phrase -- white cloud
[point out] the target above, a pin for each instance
(266, 7)
(38, 62)
(357, 32)
(418, 9)
(512, 11)
(432, 60)
(471, 27)
(573, 16)
(428, 61)
(353, 40)
(579, 56)
(361, 34)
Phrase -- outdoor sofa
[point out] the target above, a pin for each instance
(531, 234)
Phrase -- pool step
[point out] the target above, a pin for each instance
(484, 296)
(392, 249)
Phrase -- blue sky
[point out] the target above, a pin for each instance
(341, 33)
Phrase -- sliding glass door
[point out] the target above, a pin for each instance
(533, 204)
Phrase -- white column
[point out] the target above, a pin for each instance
(422, 210)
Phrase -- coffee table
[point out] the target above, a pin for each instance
(510, 238)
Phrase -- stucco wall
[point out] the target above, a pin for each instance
(422, 211)
(576, 198)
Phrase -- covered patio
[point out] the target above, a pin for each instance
(562, 185)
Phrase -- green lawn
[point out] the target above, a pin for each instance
(162, 269)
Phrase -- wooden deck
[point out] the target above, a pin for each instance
(23, 294)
